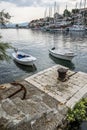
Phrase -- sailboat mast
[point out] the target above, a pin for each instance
(49, 12)
(58, 9)
(54, 7)
(45, 12)
(76, 6)
(66, 6)
(80, 4)
(54, 12)
(84, 12)
(84, 4)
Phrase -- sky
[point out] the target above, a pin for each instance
(27, 10)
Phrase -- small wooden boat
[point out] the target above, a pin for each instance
(64, 54)
(23, 58)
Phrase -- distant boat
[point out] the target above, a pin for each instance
(64, 54)
(79, 24)
(23, 58)
(77, 28)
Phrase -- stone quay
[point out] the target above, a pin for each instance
(43, 102)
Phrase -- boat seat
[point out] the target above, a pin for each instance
(21, 56)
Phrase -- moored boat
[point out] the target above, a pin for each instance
(23, 58)
(64, 54)
(77, 28)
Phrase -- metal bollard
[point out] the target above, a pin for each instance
(62, 73)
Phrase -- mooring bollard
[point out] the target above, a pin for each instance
(62, 73)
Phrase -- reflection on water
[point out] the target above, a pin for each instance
(37, 44)
(77, 35)
(63, 62)
(25, 67)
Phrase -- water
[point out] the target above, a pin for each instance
(37, 44)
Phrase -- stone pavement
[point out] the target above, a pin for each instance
(17, 114)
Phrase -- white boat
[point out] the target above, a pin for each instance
(77, 28)
(23, 58)
(64, 54)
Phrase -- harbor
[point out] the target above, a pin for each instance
(46, 99)
(43, 65)
(38, 46)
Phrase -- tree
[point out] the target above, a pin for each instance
(4, 18)
(66, 13)
(75, 11)
(3, 48)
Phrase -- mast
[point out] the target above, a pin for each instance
(66, 6)
(58, 9)
(45, 13)
(54, 7)
(79, 16)
(84, 12)
(84, 4)
(76, 6)
(54, 12)
(49, 12)
(80, 4)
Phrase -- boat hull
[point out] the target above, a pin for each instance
(24, 61)
(68, 58)
(77, 28)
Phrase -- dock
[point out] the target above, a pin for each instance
(46, 100)
(68, 92)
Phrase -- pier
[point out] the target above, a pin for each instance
(45, 103)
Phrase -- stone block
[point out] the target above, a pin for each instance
(9, 107)
(47, 121)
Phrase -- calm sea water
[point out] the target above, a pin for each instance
(37, 44)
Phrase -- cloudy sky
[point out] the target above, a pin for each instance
(26, 10)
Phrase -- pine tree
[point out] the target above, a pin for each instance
(4, 18)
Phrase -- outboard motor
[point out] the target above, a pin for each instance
(53, 48)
